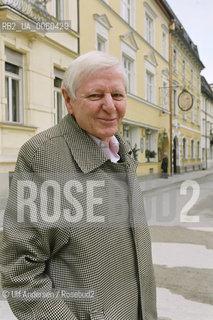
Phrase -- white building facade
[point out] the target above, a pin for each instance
(206, 124)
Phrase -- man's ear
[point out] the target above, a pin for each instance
(68, 100)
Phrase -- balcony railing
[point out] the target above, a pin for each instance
(32, 9)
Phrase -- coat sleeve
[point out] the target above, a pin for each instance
(26, 249)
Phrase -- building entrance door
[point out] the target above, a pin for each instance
(175, 155)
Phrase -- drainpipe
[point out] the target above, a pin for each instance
(172, 28)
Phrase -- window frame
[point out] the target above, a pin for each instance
(165, 92)
(150, 86)
(184, 70)
(58, 95)
(198, 149)
(9, 97)
(193, 113)
(185, 147)
(175, 102)
(164, 42)
(128, 11)
(150, 16)
(175, 61)
(151, 143)
(198, 84)
(102, 27)
(130, 53)
(198, 113)
(129, 73)
(59, 16)
(192, 149)
(192, 79)
(103, 41)
(149, 29)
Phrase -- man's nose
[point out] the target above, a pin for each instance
(108, 103)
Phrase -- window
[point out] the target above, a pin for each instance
(192, 149)
(198, 113)
(174, 61)
(58, 9)
(184, 149)
(149, 23)
(127, 11)
(165, 94)
(13, 86)
(132, 135)
(164, 44)
(193, 114)
(184, 70)
(198, 149)
(204, 127)
(151, 145)
(175, 102)
(198, 84)
(192, 79)
(149, 86)
(59, 105)
(126, 133)
(149, 27)
(208, 128)
(128, 58)
(101, 43)
(102, 26)
(128, 67)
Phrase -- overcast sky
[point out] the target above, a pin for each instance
(196, 17)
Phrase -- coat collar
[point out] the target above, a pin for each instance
(84, 150)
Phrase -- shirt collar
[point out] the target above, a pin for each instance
(110, 148)
(113, 143)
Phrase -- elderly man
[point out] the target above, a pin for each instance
(75, 221)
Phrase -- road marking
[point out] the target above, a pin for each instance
(5, 311)
(179, 308)
(205, 229)
(182, 255)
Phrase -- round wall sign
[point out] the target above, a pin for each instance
(185, 100)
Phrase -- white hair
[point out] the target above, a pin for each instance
(85, 65)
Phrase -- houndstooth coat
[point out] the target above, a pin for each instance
(82, 231)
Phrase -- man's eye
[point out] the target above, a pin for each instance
(94, 96)
(117, 96)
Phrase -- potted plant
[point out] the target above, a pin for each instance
(150, 154)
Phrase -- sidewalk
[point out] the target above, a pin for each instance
(156, 183)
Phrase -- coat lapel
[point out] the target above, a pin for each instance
(85, 151)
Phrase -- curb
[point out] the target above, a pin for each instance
(176, 179)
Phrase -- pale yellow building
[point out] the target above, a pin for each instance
(137, 32)
(35, 50)
(186, 125)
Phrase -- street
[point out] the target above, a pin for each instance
(182, 251)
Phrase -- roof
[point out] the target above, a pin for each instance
(205, 88)
(181, 33)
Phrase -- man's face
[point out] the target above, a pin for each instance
(100, 102)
